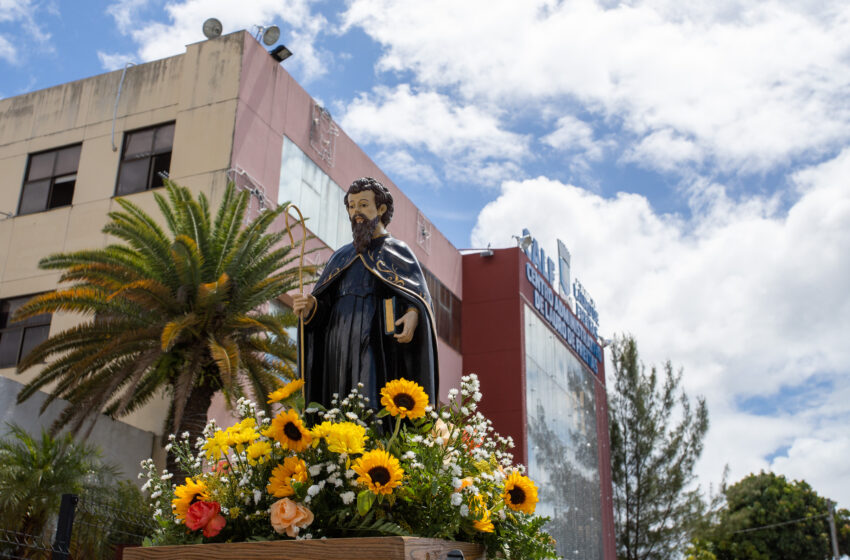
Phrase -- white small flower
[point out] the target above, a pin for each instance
(464, 510)
(257, 496)
(445, 415)
(349, 474)
(439, 440)
(168, 447)
(351, 415)
(166, 476)
(313, 490)
(156, 494)
(409, 455)
(347, 497)
(314, 470)
(476, 396)
(311, 410)
(452, 393)
(332, 467)
(185, 435)
(457, 499)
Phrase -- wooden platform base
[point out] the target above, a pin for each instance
(377, 548)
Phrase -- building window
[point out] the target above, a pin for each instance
(18, 338)
(446, 310)
(146, 155)
(50, 179)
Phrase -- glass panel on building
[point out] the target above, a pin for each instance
(18, 338)
(145, 158)
(50, 179)
(562, 441)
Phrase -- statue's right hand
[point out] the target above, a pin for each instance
(303, 304)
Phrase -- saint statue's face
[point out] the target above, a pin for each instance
(361, 207)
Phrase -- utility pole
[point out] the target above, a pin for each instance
(833, 537)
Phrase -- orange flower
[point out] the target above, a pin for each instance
(289, 516)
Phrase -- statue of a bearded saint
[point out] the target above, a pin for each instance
(369, 318)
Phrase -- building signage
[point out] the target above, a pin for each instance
(585, 308)
(568, 327)
(537, 255)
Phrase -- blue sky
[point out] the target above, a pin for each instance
(693, 155)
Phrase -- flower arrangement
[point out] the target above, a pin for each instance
(406, 469)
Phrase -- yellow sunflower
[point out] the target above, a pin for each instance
(404, 398)
(480, 508)
(288, 429)
(280, 483)
(286, 391)
(346, 437)
(520, 493)
(186, 495)
(379, 471)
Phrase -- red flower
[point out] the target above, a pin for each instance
(205, 515)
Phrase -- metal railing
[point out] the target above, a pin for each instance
(86, 529)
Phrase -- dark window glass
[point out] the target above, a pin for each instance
(18, 338)
(446, 310)
(133, 176)
(50, 180)
(146, 156)
(63, 192)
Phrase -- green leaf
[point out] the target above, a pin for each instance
(365, 499)
(382, 413)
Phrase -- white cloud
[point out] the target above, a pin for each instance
(402, 165)
(665, 150)
(746, 298)
(748, 84)
(573, 134)
(114, 61)
(471, 141)
(126, 13)
(299, 28)
(8, 52)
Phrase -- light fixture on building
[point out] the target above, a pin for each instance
(270, 35)
(280, 53)
(212, 28)
(523, 242)
(6, 214)
(605, 342)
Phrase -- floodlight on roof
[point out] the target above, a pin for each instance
(280, 53)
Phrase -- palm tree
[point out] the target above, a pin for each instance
(173, 312)
(34, 473)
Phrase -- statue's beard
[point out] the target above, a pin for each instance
(362, 231)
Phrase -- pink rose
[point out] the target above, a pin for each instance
(206, 516)
(290, 517)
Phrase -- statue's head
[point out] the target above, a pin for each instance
(382, 196)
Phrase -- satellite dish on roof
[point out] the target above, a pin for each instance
(271, 35)
(212, 28)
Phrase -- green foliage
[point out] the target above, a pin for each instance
(171, 309)
(35, 472)
(766, 517)
(656, 439)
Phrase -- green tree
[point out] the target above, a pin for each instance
(34, 473)
(169, 311)
(656, 439)
(766, 517)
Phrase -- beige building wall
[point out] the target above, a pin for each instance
(198, 90)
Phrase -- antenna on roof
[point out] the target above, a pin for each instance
(212, 28)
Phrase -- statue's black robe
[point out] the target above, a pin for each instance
(343, 337)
